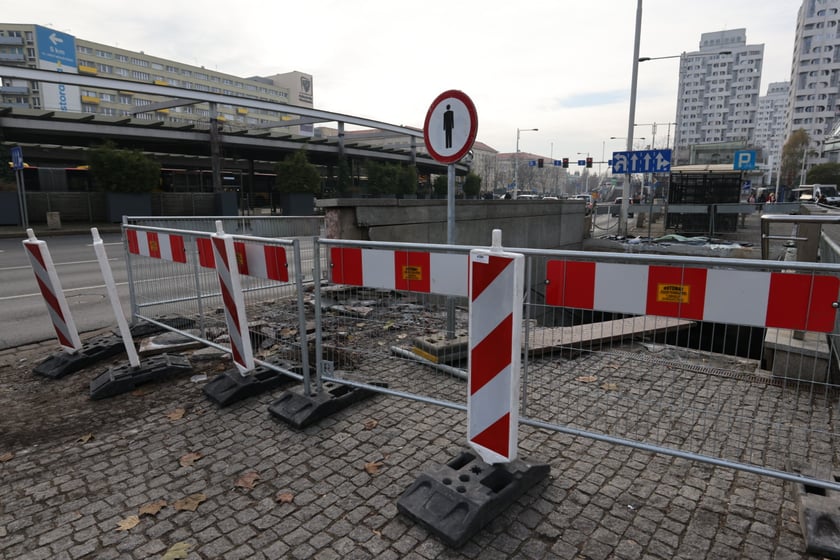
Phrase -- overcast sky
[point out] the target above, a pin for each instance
(562, 66)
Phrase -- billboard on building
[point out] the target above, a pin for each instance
(57, 52)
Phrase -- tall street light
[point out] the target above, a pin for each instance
(516, 160)
(625, 199)
(625, 203)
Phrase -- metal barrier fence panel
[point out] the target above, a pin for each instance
(724, 358)
(395, 314)
(302, 228)
(173, 281)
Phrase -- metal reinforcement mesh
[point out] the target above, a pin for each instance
(736, 392)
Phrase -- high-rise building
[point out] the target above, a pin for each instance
(718, 91)
(39, 47)
(815, 77)
(770, 124)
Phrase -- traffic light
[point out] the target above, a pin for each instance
(565, 162)
(540, 163)
(589, 162)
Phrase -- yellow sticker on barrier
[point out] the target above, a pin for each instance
(412, 273)
(673, 293)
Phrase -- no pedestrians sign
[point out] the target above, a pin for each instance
(451, 126)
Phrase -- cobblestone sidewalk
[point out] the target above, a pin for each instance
(164, 473)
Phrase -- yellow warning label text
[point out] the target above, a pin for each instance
(412, 273)
(673, 293)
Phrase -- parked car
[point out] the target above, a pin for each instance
(615, 208)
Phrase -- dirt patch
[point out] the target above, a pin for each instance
(37, 410)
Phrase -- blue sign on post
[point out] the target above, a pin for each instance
(17, 157)
(581, 162)
(744, 160)
(644, 161)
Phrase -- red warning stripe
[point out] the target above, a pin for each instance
(491, 355)
(156, 245)
(410, 271)
(776, 299)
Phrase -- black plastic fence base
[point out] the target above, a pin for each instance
(124, 378)
(95, 350)
(455, 500)
(301, 410)
(230, 386)
(819, 513)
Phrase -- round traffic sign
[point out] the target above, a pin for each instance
(451, 126)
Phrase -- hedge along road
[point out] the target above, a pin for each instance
(23, 314)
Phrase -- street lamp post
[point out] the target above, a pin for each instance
(516, 160)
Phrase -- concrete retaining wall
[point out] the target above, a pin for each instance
(539, 224)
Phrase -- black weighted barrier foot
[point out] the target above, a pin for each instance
(95, 350)
(124, 378)
(230, 387)
(455, 500)
(819, 511)
(301, 410)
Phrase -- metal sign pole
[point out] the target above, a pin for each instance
(21, 188)
(450, 240)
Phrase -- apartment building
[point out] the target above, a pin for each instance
(815, 77)
(718, 93)
(39, 47)
(770, 124)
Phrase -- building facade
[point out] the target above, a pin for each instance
(770, 126)
(35, 46)
(718, 92)
(815, 77)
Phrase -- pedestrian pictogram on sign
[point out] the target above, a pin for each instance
(451, 126)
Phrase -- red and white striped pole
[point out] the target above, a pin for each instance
(234, 302)
(497, 281)
(59, 311)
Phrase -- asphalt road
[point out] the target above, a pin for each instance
(23, 313)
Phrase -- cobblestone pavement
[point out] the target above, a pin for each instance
(164, 473)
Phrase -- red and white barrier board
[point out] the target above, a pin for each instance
(496, 295)
(234, 302)
(47, 278)
(252, 259)
(411, 271)
(156, 245)
(740, 297)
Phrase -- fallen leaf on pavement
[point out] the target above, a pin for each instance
(153, 508)
(128, 523)
(190, 503)
(373, 468)
(285, 497)
(7, 457)
(190, 458)
(85, 438)
(371, 424)
(610, 386)
(177, 551)
(587, 378)
(176, 414)
(247, 480)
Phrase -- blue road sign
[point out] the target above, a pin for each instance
(744, 160)
(581, 162)
(17, 157)
(532, 163)
(644, 161)
(558, 163)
